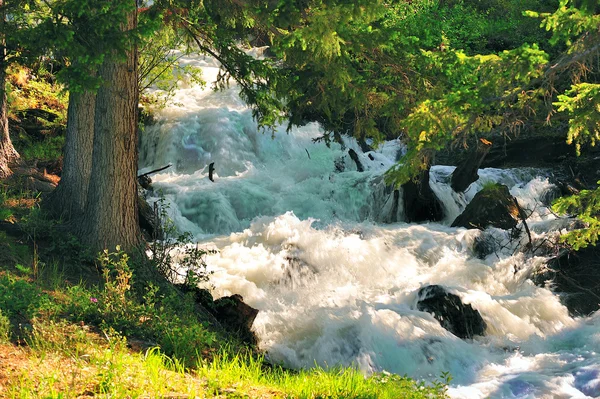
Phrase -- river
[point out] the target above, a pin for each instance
(299, 235)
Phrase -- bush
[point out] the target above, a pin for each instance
(4, 328)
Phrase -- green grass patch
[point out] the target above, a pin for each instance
(49, 149)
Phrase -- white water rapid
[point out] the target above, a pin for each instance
(303, 241)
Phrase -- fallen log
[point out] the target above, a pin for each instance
(155, 171)
(144, 179)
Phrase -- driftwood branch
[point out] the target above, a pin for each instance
(523, 217)
(155, 171)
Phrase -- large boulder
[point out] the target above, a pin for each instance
(576, 276)
(492, 206)
(354, 157)
(466, 172)
(420, 203)
(237, 316)
(455, 316)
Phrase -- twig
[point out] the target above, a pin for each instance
(573, 283)
(523, 218)
(155, 171)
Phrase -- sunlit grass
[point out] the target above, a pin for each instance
(68, 361)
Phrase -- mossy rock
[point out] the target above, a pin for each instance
(492, 206)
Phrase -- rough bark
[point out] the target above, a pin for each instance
(111, 213)
(466, 172)
(69, 198)
(7, 151)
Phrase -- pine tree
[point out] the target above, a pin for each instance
(7, 150)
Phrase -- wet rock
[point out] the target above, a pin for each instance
(145, 182)
(386, 201)
(354, 157)
(574, 274)
(492, 206)
(455, 316)
(237, 316)
(466, 172)
(484, 245)
(420, 203)
(148, 220)
(364, 146)
(339, 165)
(202, 296)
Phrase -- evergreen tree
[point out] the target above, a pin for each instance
(7, 151)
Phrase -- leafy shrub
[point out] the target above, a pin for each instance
(5, 212)
(177, 256)
(4, 328)
(19, 297)
(48, 149)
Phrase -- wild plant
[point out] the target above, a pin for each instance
(176, 255)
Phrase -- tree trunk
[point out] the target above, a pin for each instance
(111, 213)
(7, 151)
(69, 198)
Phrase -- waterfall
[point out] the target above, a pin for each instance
(300, 235)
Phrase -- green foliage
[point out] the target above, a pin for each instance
(177, 256)
(161, 316)
(159, 65)
(49, 149)
(586, 206)
(36, 88)
(4, 328)
(117, 277)
(19, 297)
(5, 212)
(582, 105)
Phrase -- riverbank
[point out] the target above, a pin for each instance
(75, 326)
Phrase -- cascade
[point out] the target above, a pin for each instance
(300, 235)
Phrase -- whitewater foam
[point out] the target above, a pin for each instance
(299, 235)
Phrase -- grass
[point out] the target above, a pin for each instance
(49, 148)
(68, 361)
(36, 89)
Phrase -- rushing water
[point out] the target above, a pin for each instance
(299, 236)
